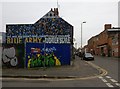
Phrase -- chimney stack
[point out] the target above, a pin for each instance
(51, 9)
(107, 26)
(56, 12)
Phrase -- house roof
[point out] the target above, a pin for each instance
(52, 15)
(49, 24)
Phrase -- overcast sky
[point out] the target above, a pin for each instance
(96, 13)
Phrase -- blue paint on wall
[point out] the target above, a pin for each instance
(61, 51)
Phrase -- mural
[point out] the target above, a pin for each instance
(13, 55)
(48, 42)
(44, 26)
(40, 60)
(47, 55)
(47, 30)
(40, 39)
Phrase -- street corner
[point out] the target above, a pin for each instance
(102, 72)
(81, 70)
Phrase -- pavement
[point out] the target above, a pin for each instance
(79, 69)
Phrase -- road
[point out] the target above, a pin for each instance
(110, 64)
(109, 80)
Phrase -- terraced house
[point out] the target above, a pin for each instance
(106, 43)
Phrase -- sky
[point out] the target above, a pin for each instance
(96, 13)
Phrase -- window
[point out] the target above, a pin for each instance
(50, 14)
(115, 49)
(114, 41)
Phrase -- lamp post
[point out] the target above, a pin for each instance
(76, 45)
(81, 34)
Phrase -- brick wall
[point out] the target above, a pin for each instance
(103, 43)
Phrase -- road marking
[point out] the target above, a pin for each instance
(104, 80)
(113, 80)
(118, 84)
(108, 77)
(109, 85)
(102, 71)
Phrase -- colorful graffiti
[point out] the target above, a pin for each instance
(40, 60)
(47, 55)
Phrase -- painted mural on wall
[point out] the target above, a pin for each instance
(44, 26)
(47, 30)
(48, 42)
(39, 39)
(13, 55)
(47, 55)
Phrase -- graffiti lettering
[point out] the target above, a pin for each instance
(49, 49)
(14, 40)
(57, 39)
(45, 39)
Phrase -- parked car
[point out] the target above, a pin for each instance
(79, 54)
(88, 56)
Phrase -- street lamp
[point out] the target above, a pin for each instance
(81, 34)
(76, 45)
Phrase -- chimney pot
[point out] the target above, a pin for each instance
(107, 26)
(56, 11)
(51, 9)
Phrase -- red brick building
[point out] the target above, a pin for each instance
(114, 34)
(106, 43)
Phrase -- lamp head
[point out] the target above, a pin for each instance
(84, 22)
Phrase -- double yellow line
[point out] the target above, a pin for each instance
(102, 72)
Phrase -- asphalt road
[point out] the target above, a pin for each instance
(49, 83)
(109, 80)
(110, 64)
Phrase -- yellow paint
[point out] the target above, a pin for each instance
(19, 40)
(38, 55)
(14, 40)
(39, 40)
(30, 39)
(26, 39)
(35, 40)
(57, 61)
(8, 40)
(28, 56)
(29, 63)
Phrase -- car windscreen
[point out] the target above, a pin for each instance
(88, 55)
